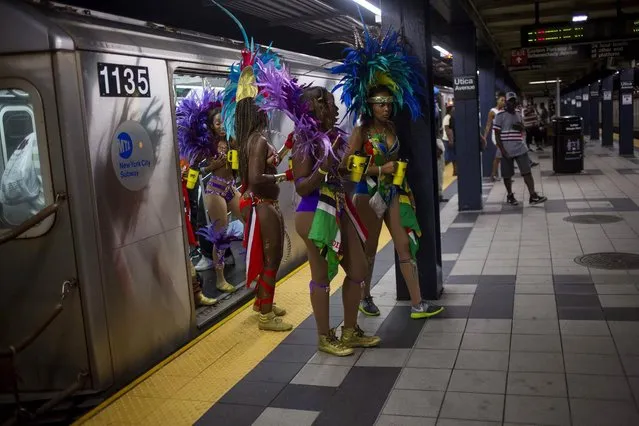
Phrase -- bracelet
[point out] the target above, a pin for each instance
(322, 172)
(280, 177)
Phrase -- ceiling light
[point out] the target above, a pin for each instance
(579, 18)
(442, 52)
(369, 6)
(544, 82)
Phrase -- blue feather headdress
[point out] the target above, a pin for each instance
(195, 139)
(380, 62)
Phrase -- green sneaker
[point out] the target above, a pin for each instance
(425, 310)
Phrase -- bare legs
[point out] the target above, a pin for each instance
(356, 267)
(495, 171)
(407, 266)
(400, 240)
(218, 214)
(272, 232)
(374, 227)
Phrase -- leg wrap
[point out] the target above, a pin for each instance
(268, 288)
(360, 283)
(313, 285)
(220, 253)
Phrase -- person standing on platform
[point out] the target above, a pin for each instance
(448, 136)
(531, 124)
(508, 130)
(245, 121)
(441, 165)
(544, 119)
(380, 79)
(325, 218)
(501, 102)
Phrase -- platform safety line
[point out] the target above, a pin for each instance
(448, 180)
(119, 394)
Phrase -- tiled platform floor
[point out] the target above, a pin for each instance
(529, 337)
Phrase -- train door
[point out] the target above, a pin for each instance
(35, 265)
(129, 130)
(210, 195)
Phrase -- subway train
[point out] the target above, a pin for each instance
(95, 285)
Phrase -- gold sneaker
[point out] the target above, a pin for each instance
(271, 322)
(355, 338)
(202, 300)
(226, 288)
(280, 312)
(332, 345)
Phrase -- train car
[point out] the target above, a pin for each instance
(99, 226)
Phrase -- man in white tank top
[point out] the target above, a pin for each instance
(501, 101)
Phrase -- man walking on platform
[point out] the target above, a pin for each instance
(508, 131)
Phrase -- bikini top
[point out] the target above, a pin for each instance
(375, 146)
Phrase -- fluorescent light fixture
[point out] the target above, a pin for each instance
(442, 52)
(544, 82)
(378, 19)
(369, 6)
(580, 18)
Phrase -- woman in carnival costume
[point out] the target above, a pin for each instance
(379, 80)
(202, 139)
(326, 219)
(264, 232)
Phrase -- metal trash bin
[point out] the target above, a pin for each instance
(568, 144)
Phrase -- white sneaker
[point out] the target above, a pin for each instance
(204, 264)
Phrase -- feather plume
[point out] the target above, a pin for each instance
(220, 237)
(195, 139)
(380, 61)
(283, 93)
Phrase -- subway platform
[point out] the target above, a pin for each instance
(529, 336)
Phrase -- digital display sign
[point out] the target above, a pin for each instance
(580, 32)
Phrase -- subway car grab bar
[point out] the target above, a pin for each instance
(35, 220)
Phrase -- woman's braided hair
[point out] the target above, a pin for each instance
(248, 120)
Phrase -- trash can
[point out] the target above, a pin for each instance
(568, 144)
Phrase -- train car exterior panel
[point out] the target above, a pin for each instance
(143, 255)
(34, 268)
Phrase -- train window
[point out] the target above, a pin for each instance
(22, 192)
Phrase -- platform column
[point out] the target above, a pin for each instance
(606, 111)
(626, 84)
(487, 100)
(467, 141)
(594, 111)
(412, 18)
(585, 110)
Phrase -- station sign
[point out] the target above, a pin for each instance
(529, 58)
(593, 30)
(465, 87)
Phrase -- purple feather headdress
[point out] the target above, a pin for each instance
(195, 140)
(284, 93)
(220, 237)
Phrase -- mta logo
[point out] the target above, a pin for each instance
(126, 145)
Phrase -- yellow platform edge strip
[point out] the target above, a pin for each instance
(448, 180)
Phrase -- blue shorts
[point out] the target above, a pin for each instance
(361, 187)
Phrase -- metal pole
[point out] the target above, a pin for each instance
(558, 98)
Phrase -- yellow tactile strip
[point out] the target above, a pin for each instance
(180, 391)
